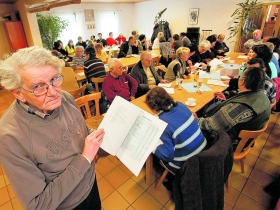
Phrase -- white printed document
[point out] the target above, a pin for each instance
(164, 85)
(131, 133)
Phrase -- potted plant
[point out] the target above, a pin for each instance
(243, 23)
(50, 28)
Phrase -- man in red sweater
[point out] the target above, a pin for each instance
(110, 40)
(118, 83)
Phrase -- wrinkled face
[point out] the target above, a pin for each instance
(118, 69)
(251, 54)
(257, 34)
(221, 38)
(79, 52)
(147, 61)
(33, 77)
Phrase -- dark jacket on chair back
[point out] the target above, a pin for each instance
(199, 184)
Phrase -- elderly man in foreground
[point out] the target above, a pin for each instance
(46, 149)
(118, 83)
(145, 74)
(257, 39)
(248, 110)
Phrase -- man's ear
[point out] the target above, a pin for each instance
(17, 93)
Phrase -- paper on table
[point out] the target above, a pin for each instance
(164, 84)
(216, 82)
(191, 89)
(169, 90)
(242, 56)
(134, 55)
(214, 75)
(214, 63)
(81, 74)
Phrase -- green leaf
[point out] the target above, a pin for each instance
(50, 28)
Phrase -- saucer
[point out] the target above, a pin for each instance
(187, 103)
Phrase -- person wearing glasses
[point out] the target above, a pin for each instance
(145, 74)
(204, 53)
(46, 149)
(118, 83)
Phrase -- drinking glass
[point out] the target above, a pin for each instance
(199, 83)
(180, 83)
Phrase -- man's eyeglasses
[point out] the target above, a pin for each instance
(42, 89)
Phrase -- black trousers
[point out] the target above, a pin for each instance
(92, 202)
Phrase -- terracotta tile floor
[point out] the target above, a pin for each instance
(120, 189)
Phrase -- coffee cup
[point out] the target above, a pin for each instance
(191, 101)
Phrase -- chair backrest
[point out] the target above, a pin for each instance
(96, 81)
(170, 56)
(69, 81)
(84, 106)
(78, 92)
(247, 139)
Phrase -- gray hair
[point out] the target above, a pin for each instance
(23, 59)
(112, 62)
(205, 44)
(145, 54)
(80, 47)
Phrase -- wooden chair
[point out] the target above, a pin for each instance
(83, 104)
(91, 121)
(78, 92)
(96, 81)
(160, 180)
(69, 81)
(247, 138)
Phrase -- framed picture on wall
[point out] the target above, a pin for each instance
(89, 15)
(193, 16)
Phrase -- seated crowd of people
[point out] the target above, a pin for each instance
(245, 104)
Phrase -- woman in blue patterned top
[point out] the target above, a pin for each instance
(182, 137)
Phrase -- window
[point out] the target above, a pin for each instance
(108, 22)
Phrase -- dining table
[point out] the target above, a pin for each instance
(185, 91)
